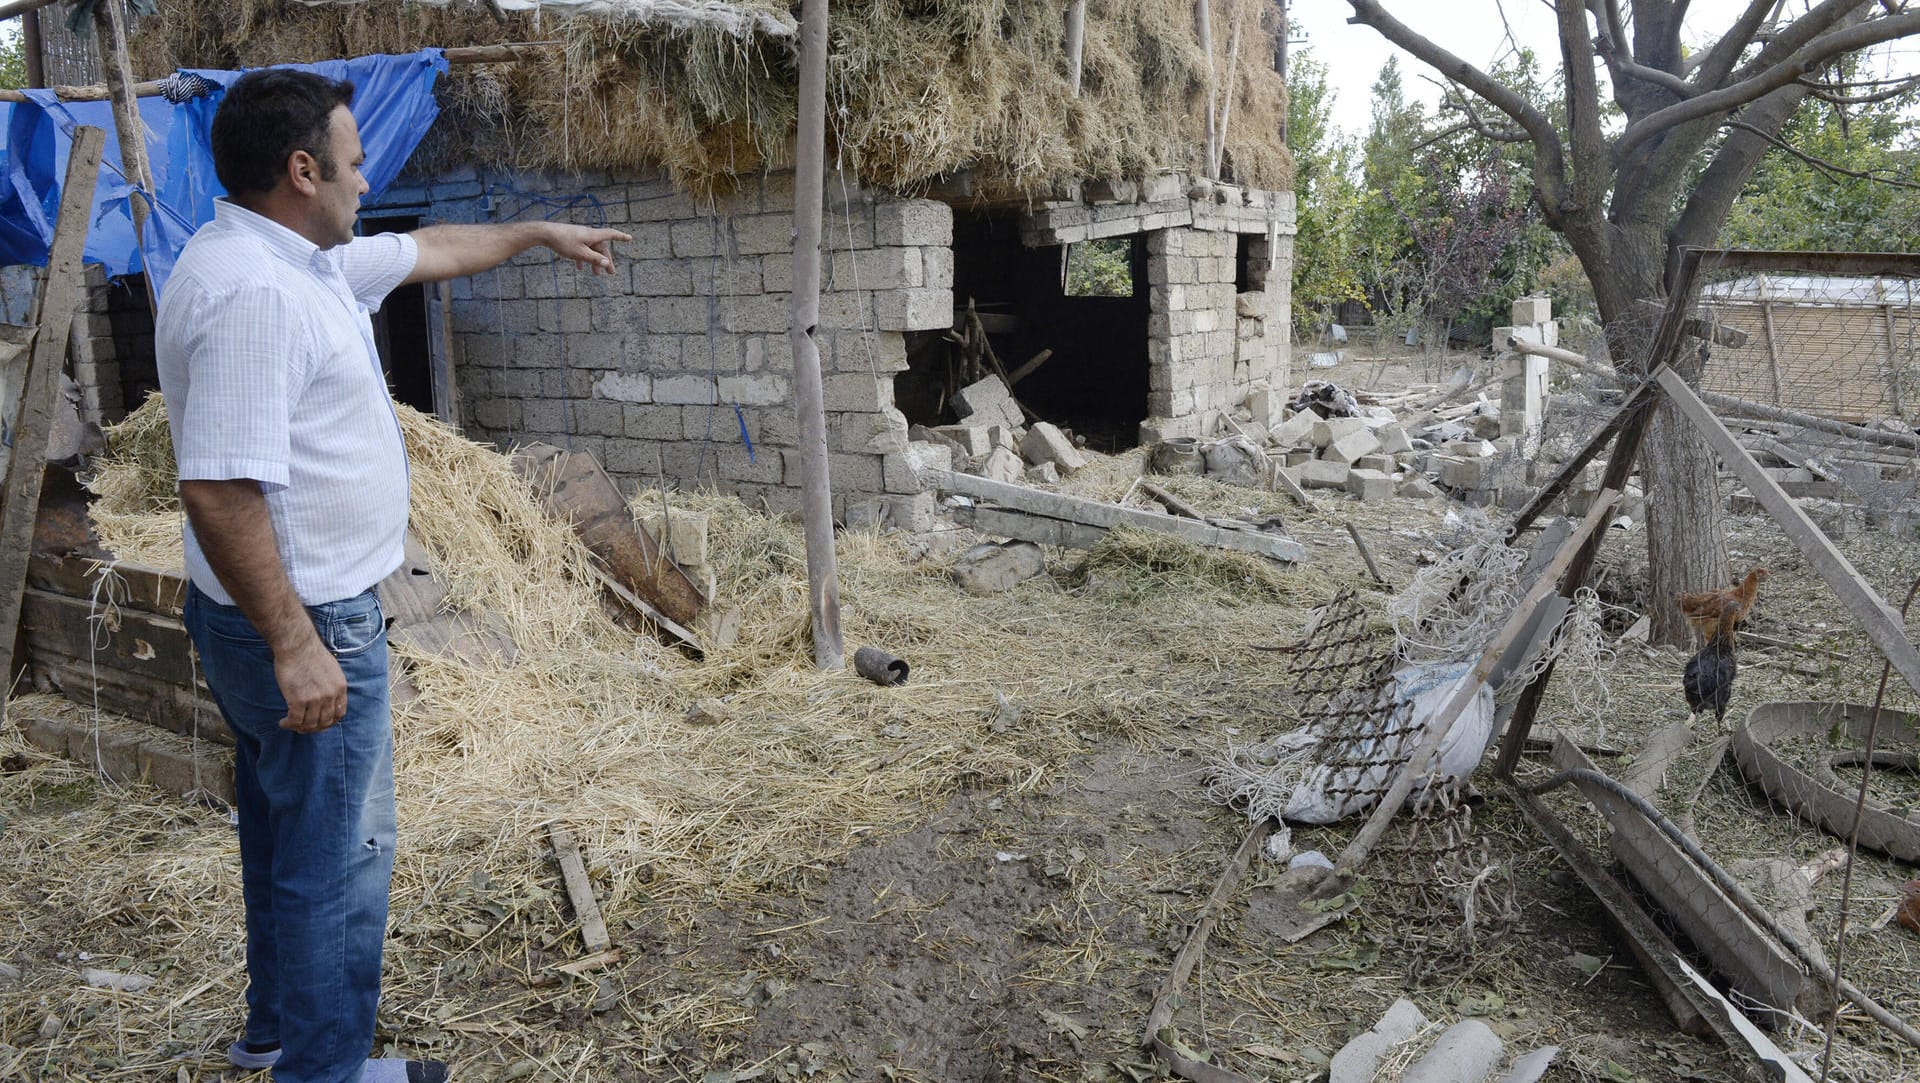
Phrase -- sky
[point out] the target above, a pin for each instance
(1470, 29)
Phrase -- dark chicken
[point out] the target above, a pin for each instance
(1708, 680)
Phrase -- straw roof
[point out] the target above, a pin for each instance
(916, 90)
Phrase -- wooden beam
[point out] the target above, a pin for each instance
(21, 7)
(1165, 999)
(1636, 405)
(803, 309)
(1467, 687)
(1865, 264)
(1881, 622)
(60, 295)
(593, 927)
(1712, 330)
(515, 53)
(1046, 513)
(110, 34)
(446, 386)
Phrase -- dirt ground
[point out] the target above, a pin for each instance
(1015, 929)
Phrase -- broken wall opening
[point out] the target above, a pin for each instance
(1087, 310)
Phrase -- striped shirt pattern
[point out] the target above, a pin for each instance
(266, 357)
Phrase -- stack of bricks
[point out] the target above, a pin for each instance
(1209, 344)
(645, 367)
(94, 348)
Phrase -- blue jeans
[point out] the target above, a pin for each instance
(316, 836)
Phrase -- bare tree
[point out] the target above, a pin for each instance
(1696, 126)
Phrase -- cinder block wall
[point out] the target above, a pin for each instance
(1210, 342)
(658, 367)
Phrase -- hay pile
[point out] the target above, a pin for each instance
(915, 90)
(588, 725)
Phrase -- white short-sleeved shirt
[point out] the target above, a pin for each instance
(266, 357)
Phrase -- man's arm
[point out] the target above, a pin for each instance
(450, 251)
(236, 535)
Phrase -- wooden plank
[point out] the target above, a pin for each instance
(136, 696)
(1467, 687)
(110, 35)
(573, 488)
(1754, 962)
(1882, 623)
(1795, 457)
(446, 387)
(414, 602)
(140, 586)
(59, 299)
(1166, 998)
(145, 643)
(593, 928)
(1773, 349)
(1095, 513)
(1636, 405)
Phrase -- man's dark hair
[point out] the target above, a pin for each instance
(266, 116)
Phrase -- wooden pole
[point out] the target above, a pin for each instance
(21, 7)
(110, 30)
(1226, 102)
(1203, 27)
(60, 294)
(34, 48)
(1280, 58)
(1076, 42)
(816, 488)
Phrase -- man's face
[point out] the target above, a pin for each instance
(337, 201)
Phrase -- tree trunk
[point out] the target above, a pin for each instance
(1686, 530)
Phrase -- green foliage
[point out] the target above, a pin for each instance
(13, 56)
(1791, 203)
(1327, 198)
(1100, 268)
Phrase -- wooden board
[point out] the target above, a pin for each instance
(140, 586)
(574, 488)
(59, 300)
(1882, 623)
(153, 646)
(414, 602)
(1752, 961)
(1079, 522)
(134, 696)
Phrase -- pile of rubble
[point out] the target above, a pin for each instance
(994, 440)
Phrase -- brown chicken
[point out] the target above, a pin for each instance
(1703, 608)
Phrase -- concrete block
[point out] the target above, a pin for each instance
(1376, 461)
(1416, 487)
(683, 390)
(1045, 443)
(1359, 1060)
(1043, 474)
(987, 402)
(1531, 310)
(1267, 407)
(1295, 431)
(755, 389)
(1369, 485)
(990, 568)
(1467, 1050)
(1299, 455)
(920, 309)
(1322, 474)
(923, 222)
(917, 468)
(1326, 431)
(1352, 446)
(915, 512)
(1001, 464)
(683, 533)
(1393, 439)
(1005, 436)
(971, 439)
(1456, 473)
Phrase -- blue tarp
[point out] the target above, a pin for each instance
(393, 103)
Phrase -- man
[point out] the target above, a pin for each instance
(294, 480)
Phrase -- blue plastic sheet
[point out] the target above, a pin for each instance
(393, 104)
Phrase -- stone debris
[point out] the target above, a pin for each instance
(1045, 444)
(990, 567)
(988, 402)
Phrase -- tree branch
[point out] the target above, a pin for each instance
(1550, 170)
(1583, 103)
(1829, 92)
(1720, 58)
(1474, 122)
(1727, 99)
(1712, 196)
(1784, 40)
(1824, 166)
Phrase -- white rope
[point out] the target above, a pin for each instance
(104, 599)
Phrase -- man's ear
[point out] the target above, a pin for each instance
(303, 172)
